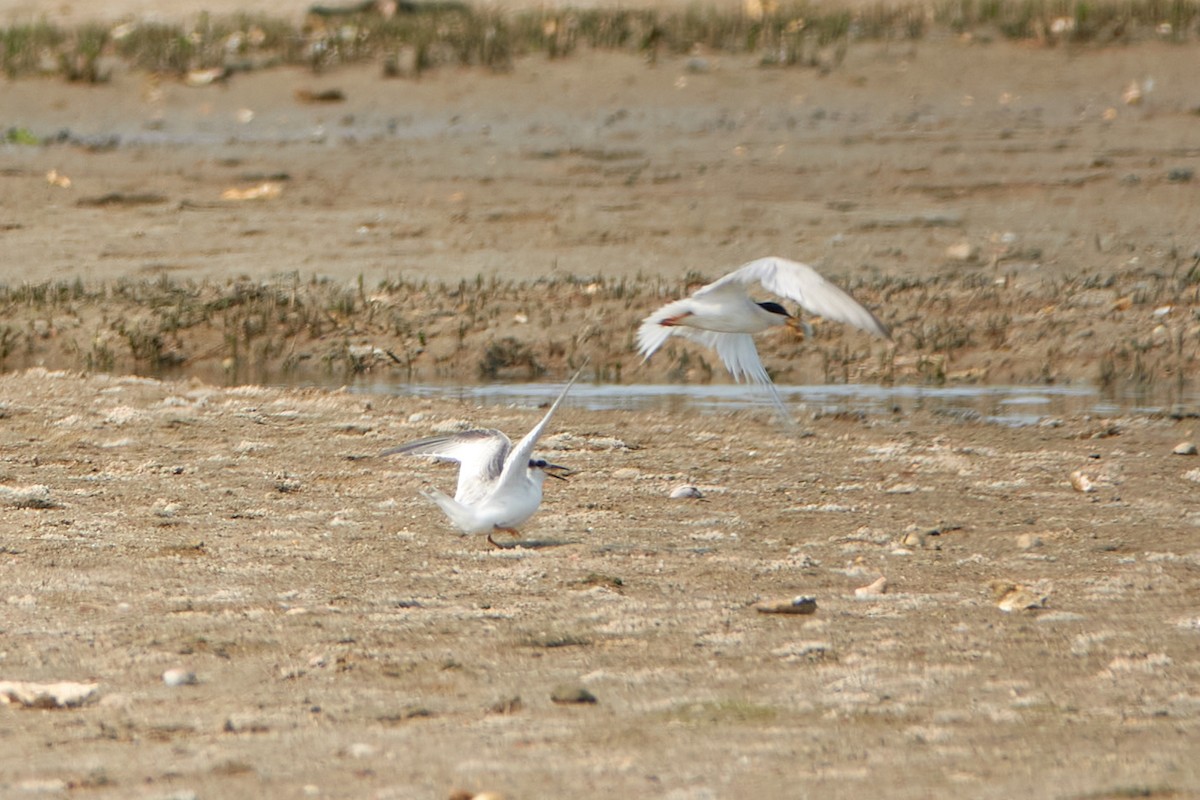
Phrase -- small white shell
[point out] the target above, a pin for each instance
(1081, 482)
(686, 492)
(874, 589)
(179, 677)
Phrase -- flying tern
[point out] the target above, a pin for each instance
(499, 484)
(724, 317)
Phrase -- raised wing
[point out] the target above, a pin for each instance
(518, 459)
(479, 453)
(804, 285)
(740, 356)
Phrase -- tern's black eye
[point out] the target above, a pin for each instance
(536, 463)
(775, 308)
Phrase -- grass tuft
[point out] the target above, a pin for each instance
(435, 34)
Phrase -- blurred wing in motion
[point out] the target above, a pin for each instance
(480, 454)
(804, 285)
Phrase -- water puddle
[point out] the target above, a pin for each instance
(1005, 405)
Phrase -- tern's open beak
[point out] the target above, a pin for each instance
(555, 471)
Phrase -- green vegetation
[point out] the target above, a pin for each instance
(432, 34)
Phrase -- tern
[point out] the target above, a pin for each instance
(499, 484)
(724, 317)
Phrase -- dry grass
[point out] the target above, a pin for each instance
(443, 33)
(290, 329)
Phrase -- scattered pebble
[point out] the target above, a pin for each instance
(921, 539)
(686, 493)
(873, 589)
(36, 496)
(802, 604)
(63, 694)
(463, 794)
(56, 178)
(1016, 597)
(963, 251)
(570, 693)
(1029, 541)
(626, 473)
(361, 750)
(245, 723)
(43, 785)
(1081, 482)
(1132, 95)
(321, 96)
(179, 677)
(267, 190)
(204, 77)
(1185, 449)
(506, 705)
(1061, 616)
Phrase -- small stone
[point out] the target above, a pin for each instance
(922, 539)
(1011, 597)
(1132, 95)
(963, 251)
(802, 604)
(64, 694)
(36, 496)
(1185, 449)
(874, 589)
(804, 651)
(686, 493)
(245, 723)
(43, 786)
(1081, 482)
(179, 677)
(570, 693)
(903, 488)
(626, 473)
(361, 750)
(506, 705)
(1029, 541)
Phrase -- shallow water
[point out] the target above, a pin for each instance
(1006, 405)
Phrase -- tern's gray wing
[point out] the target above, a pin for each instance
(518, 459)
(480, 454)
(804, 285)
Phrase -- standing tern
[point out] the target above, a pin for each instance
(723, 316)
(499, 484)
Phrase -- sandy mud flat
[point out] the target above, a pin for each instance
(1000, 610)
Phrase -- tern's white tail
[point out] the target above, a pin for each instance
(461, 516)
